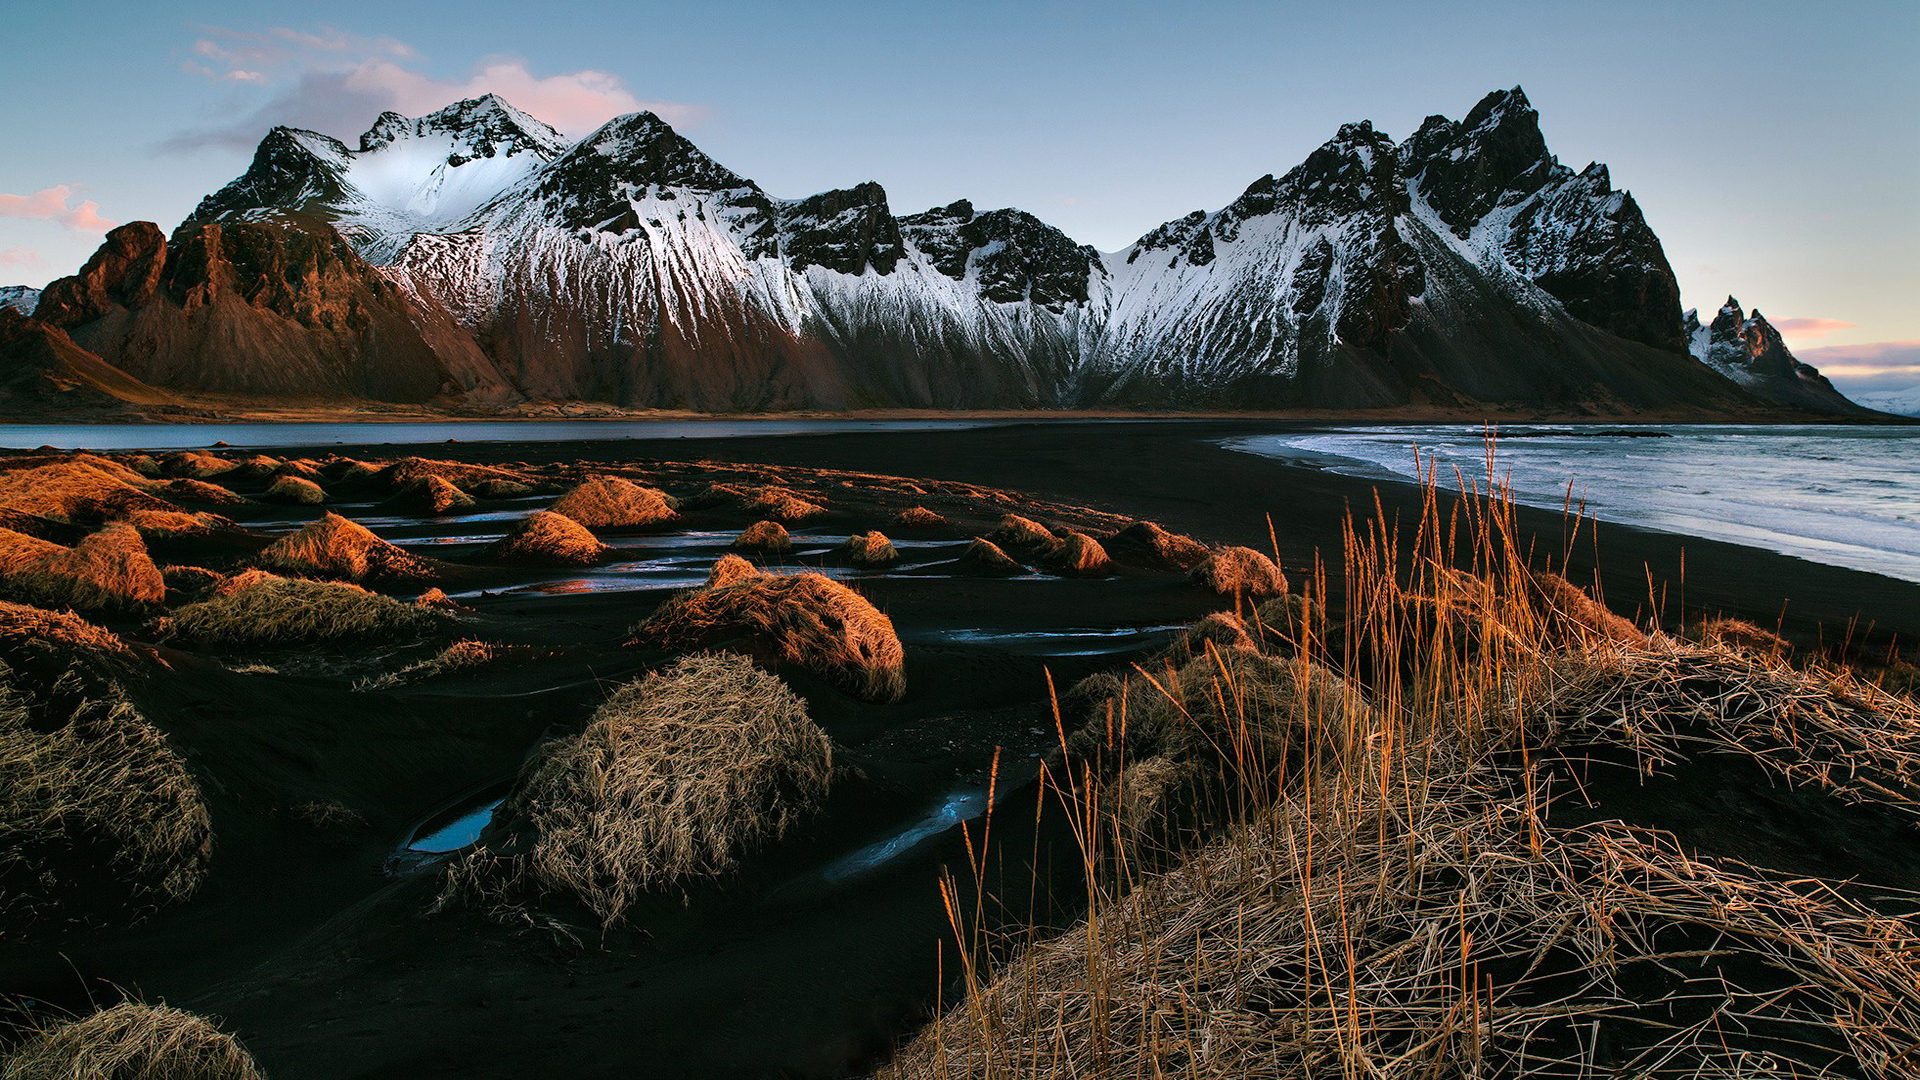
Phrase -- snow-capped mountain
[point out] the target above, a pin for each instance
(1902, 402)
(1465, 265)
(20, 298)
(1747, 349)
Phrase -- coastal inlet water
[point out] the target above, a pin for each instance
(1842, 495)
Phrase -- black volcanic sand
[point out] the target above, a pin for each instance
(314, 945)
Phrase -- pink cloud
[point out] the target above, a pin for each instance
(19, 256)
(577, 101)
(50, 204)
(1807, 328)
(335, 82)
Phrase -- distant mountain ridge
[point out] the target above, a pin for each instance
(475, 257)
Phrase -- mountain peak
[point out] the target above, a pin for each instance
(1495, 155)
(480, 127)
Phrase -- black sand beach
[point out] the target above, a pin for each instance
(317, 949)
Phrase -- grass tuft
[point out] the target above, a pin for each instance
(333, 546)
(870, 549)
(551, 539)
(131, 1041)
(258, 608)
(613, 502)
(807, 620)
(676, 777)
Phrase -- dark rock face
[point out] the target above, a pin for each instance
(280, 307)
(1574, 236)
(1747, 349)
(41, 367)
(589, 186)
(1017, 256)
(291, 170)
(846, 231)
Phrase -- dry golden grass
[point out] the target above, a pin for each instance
(190, 582)
(468, 477)
(193, 464)
(676, 777)
(35, 628)
(983, 556)
(919, 517)
(729, 569)
(612, 502)
(106, 571)
(258, 608)
(80, 491)
(1024, 535)
(131, 1041)
(781, 504)
(1221, 630)
(98, 814)
(1064, 552)
(807, 620)
(1146, 544)
(1241, 572)
(199, 491)
(295, 491)
(431, 495)
(1743, 636)
(764, 537)
(333, 546)
(467, 654)
(870, 549)
(170, 524)
(552, 539)
(1393, 898)
(1080, 555)
(497, 488)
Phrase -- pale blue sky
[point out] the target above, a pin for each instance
(1774, 146)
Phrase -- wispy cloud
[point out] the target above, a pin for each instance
(335, 82)
(1877, 365)
(1810, 328)
(19, 256)
(53, 204)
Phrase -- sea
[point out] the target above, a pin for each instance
(1841, 495)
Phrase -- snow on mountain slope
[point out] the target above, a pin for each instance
(1904, 402)
(1465, 264)
(20, 298)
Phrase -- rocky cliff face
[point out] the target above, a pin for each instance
(1747, 349)
(271, 307)
(473, 253)
(41, 369)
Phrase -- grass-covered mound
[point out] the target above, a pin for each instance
(108, 570)
(429, 494)
(258, 608)
(764, 538)
(807, 620)
(728, 569)
(1062, 552)
(131, 1041)
(919, 517)
(783, 504)
(295, 491)
(613, 502)
(676, 777)
(1240, 572)
(199, 491)
(99, 817)
(1147, 545)
(83, 490)
(335, 547)
(870, 549)
(547, 538)
(983, 556)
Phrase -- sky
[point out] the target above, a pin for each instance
(1774, 146)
